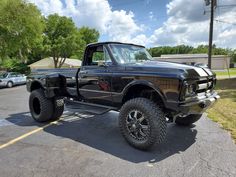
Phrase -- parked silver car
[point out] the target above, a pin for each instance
(9, 79)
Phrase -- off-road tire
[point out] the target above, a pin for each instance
(41, 108)
(155, 117)
(9, 84)
(58, 108)
(188, 120)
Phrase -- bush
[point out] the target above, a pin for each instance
(15, 65)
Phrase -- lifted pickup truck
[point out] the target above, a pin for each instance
(125, 78)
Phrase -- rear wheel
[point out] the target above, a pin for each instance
(142, 123)
(41, 108)
(188, 120)
(58, 109)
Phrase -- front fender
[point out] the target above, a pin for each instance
(144, 83)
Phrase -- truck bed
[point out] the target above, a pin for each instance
(67, 72)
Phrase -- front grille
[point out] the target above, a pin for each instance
(205, 85)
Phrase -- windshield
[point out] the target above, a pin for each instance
(124, 53)
(3, 75)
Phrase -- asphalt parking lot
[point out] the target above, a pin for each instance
(88, 146)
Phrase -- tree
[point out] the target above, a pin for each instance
(61, 38)
(183, 49)
(37, 52)
(180, 49)
(200, 49)
(89, 35)
(232, 54)
(21, 24)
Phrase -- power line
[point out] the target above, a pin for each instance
(227, 5)
(222, 21)
(219, 7)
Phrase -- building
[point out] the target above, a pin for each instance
(219, 62)
(48, 63)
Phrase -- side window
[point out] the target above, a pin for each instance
(11, 75)
(14, 75)
(97, 55)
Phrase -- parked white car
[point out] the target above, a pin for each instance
(9, 79)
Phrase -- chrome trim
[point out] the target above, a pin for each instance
(98, 91)
(204, 85)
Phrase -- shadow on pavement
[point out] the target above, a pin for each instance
(102, 133)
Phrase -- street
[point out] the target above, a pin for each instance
(92, 146)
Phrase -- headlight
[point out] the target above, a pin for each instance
(190, 89)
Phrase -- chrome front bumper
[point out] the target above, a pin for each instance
(199, 106)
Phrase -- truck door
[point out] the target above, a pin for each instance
(94, 78)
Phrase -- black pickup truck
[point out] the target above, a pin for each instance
(125, 78)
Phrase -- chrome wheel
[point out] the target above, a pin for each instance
(137, 125)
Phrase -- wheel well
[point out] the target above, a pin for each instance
(145, 92)
(35, 85)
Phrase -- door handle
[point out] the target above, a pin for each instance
(83, 72)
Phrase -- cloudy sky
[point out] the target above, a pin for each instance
(150, 22)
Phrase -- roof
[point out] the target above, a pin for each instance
(73, 62)
(183, 56)
(43, 62)
(112, 42)
(49, 63)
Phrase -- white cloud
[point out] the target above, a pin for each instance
(118, 25)
(122, 26)
(151, 16)
(49, 6)
(187, 25)
(140, 39)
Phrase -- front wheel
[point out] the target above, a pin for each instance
(142, 123)
(10, 84)
(188, 120)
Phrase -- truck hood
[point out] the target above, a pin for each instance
(170, 69)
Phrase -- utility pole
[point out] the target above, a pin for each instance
(213, 4)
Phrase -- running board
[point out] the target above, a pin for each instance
(83, 107)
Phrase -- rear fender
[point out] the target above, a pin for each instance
(53, 85)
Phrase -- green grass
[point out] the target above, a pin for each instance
(232, 72)
(224, 111)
